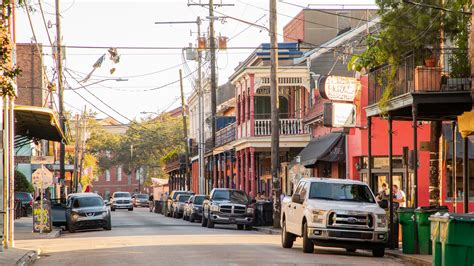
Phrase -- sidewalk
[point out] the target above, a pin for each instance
(15, 256)
(416, 259)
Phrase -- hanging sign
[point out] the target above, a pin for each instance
(336, 88)
(339, 115)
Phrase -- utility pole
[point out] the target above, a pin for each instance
(62, 147)
(212, 44)
(82, 145)
(76, 153)
(185, 131)
(201, 137)
(275, 106)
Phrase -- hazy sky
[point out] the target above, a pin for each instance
(121, 23)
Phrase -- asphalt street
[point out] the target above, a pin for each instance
(143, 238)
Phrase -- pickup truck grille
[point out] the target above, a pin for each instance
(123, 201)
(351, 220)
(232, 209)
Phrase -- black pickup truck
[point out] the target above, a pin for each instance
(228, 206)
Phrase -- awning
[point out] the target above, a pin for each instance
(448, 135)
(38, 122)
(328, 148)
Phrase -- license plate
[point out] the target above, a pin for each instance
(231, 220)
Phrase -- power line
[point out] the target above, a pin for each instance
(438, 8)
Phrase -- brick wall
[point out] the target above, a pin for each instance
(31, 80)
(104, 187)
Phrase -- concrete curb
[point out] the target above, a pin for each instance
(408, 258)
(270, 231)
(28, 259)
(55, 233)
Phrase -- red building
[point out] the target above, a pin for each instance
(115, 179)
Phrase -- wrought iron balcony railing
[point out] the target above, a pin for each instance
(449, 71)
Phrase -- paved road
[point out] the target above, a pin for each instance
(144, 238)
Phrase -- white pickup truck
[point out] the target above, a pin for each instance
(335, 213)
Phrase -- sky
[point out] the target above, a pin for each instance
(140, 81)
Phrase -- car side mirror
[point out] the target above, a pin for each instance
(296, 198)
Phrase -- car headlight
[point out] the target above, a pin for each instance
(250, 210)
(318, 216)
(74, 216)
(214, 208)
(381, 220)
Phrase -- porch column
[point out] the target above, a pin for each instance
(414, 111)
(225, 170)
(246, 178)
(231, 177)
(369, 154)
(237, 171)
(465, 175)
(252, 173)
(252, 105)
(242, 166)
(219, 170)
(393, 238)
(214, 171)
(291, 109)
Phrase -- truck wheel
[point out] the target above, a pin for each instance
(71, 228)
(308, 245)
(240, 227)
(287, 239)
(203, 221)
(210, 223)
(378, 252)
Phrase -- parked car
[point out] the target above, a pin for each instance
(335, 213)
(228, 206)
(193, 208)
(178, 205)
(87, 211)
(26, 202)
(121, 200)
(172, 198)
(141, 200)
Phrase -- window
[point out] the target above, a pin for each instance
(107, 175)
(119, 173)
(137, 174)
(459, 179)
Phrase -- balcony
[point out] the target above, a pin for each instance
(225, 135)
(290, 126)
(441, 90)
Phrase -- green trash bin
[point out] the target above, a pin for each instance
(406, 217)
(422, 215)
(436, 220)
(457, 241)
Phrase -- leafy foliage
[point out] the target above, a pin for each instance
(147, 144)
(22, 184)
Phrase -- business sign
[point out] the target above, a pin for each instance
(339, 115)
(42, 159)
(336, 88)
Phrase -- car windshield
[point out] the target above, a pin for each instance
(183, 198)
(87, 202)
(199, 200)
(142, 196)
(345, 192)
(175, 195)
(122, 195)
(236, 196)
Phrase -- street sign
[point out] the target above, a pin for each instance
(42, 178)
(42, 159)
(339, 115)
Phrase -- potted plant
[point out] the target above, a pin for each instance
(429, 60)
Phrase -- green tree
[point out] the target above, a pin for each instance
(22, 184)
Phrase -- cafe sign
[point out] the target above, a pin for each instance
(337, 88)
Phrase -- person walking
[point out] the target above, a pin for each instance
(399, 196)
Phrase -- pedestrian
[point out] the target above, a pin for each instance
(399, 196)
(151, 202)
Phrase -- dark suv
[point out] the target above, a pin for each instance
(87, 211)
(228, 206)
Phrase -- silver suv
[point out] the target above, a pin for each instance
(121, 200)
